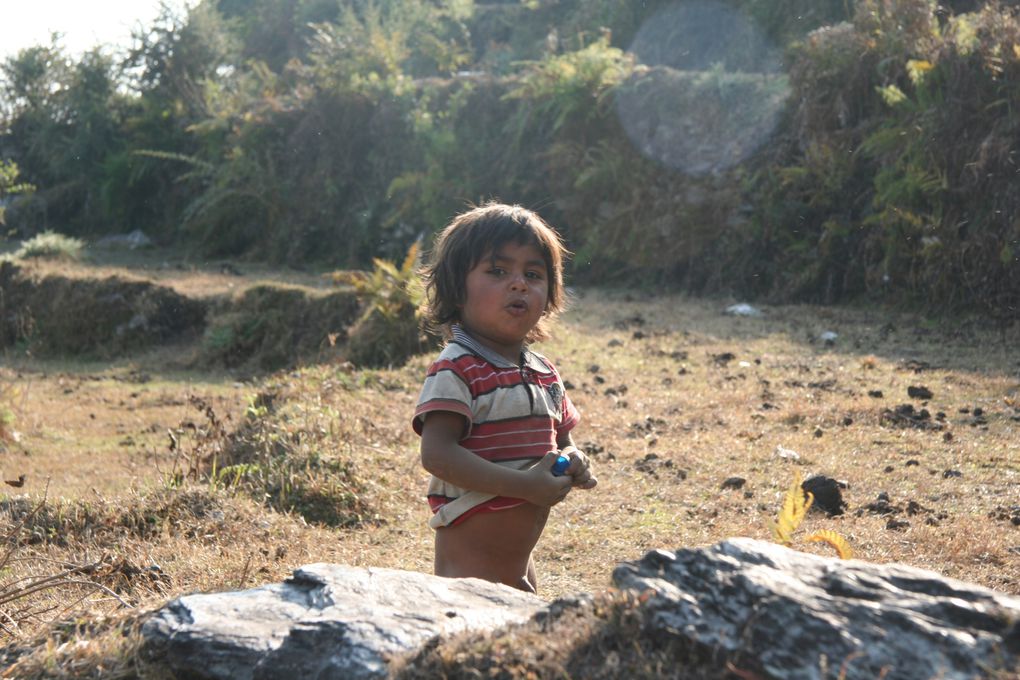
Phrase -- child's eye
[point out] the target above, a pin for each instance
(534, 275)
(497, 271)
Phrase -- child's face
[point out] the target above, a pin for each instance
(506, 296)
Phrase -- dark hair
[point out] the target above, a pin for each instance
(475, 234)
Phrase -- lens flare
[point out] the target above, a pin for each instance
(708, 91)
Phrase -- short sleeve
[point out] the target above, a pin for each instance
(569, 418)
(445, 389)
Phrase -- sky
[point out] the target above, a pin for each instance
(83, 23)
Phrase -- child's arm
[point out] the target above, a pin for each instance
(443, 456)
(580, 467)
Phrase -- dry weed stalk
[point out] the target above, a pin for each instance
(18, 590)
(208, 443)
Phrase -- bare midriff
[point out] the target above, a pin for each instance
(494, 546)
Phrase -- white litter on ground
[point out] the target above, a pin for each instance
(743, 309)
(786, 454)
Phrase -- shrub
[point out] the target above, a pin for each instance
(269, 327)
(893, 178)
(9, 186)
(389, 330)
(275, 460)
(566, 88)
(50, 245)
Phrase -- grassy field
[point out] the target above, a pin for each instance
(159, 481)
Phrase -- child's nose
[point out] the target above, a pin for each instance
(518, 281)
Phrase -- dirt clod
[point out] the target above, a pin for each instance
(904, 415)
(828, 493)
(919, 392)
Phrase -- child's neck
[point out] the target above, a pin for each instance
(512, 355)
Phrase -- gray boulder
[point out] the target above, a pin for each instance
(327, 621)
(786, 614)
(767, 610)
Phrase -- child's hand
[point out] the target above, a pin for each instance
(579, 470)
(545, 489)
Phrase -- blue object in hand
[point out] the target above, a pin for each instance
(560, 466)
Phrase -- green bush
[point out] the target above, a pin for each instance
(317, 133)
(50, 245)
(894, 176)
(389, 330)
(10, 186)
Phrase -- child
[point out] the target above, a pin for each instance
(492, 414)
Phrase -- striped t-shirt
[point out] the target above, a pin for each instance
(513, 414)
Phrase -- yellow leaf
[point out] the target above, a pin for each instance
(385, 268)
(411, 259)
(1016, 50)
(835, 540)
(891, 94)
(916, 68)
(349, 277)
(795, 507)
(965, 33)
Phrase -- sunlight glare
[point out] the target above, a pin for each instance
(82, 25)
(710, 92)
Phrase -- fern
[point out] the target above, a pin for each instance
(839, 543)
(387, 289)
(202, 168)
(570, 86)
(795, 506)
(389, 329)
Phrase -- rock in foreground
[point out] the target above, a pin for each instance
(756, 608)
(787, 614)
(328, 621)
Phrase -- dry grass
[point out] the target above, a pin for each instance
(666, 416)
(101, 429)
(192, 278)
(601, 637)
(704, 420)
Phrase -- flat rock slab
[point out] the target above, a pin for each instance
(328, 621)
(780, 613)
